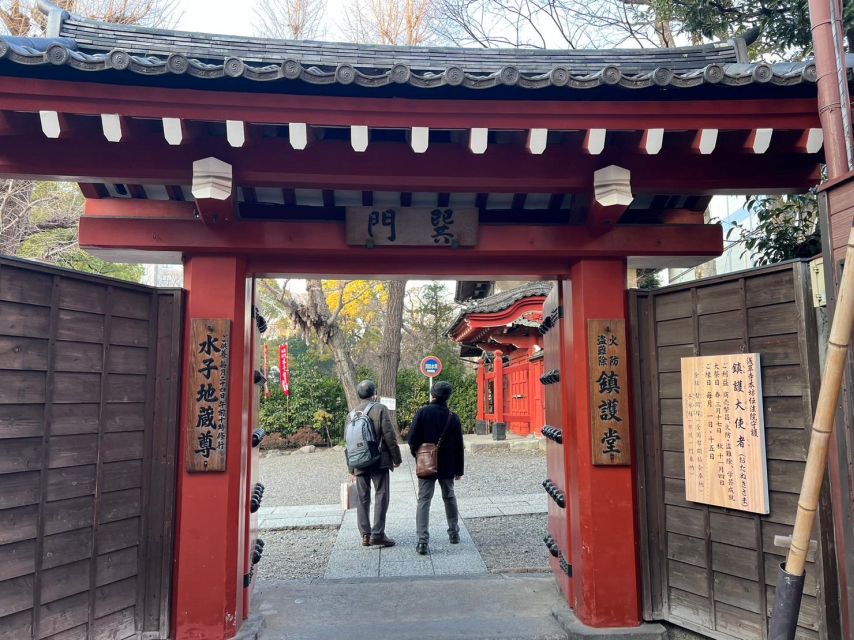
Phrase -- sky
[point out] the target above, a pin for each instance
(236, 18)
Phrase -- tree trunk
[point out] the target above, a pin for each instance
(319, 320)
(390, 346)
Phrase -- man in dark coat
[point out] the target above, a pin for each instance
(378, 473)
(431, 423)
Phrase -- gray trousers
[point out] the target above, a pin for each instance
(380, 479)
(426, 486)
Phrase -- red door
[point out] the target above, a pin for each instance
(518, 418)
(558, 538)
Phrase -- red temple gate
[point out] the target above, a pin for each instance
(570, 169)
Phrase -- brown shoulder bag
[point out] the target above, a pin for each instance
(427, 456)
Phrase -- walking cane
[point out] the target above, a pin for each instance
(790, 581)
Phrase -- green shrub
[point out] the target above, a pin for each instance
(318, 402)
(317, 399)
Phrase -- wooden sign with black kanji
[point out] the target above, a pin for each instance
(207, 417)
(609, 407)
(412, 226)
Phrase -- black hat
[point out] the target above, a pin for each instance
(442, 391)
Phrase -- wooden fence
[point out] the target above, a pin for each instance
(706, 568)
(88, 418)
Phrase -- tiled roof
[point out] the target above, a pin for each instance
(502, 301)
(506, 299)
(90, 45)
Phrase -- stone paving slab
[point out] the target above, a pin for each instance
(300, 523)
(517, 607)
(473, 443)
(350, 559)
(307, 511)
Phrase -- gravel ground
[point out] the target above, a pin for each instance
(511, 542)
(492, 473)
(296, 554)
(292, 479)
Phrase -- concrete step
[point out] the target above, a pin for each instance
(486, 607)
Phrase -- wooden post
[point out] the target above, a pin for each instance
(498, 386)
(208, 578)
(825, 414)
(600, 499)
(481, 391)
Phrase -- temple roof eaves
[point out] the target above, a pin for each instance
(101, 46)
(502, 301)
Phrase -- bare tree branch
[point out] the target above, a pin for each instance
(290, 19)
(404, 22)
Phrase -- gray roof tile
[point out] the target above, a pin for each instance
(426, 67)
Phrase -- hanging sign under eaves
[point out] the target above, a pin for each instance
(412, 226)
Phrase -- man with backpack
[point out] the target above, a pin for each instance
(436, 424)
(371, 452)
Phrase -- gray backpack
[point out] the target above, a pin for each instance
(360, 439)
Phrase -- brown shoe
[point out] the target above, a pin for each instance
(382, 541)
(366, 540)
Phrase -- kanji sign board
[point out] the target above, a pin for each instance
(412, 226)
(724, 432)
(609, 406)
(207, 417)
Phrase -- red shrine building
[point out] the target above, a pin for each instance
(243, 158)
(502, 332)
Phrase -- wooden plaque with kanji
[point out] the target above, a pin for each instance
(609, 407)
(207, 417)
(724, 432)
(412, 226)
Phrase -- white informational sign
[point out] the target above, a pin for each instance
(390, 403)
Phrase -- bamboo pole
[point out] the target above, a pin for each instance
(825, 414)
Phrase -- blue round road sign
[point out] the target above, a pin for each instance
(431, 366)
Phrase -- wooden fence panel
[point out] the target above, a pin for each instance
(707, 568)
(88, 419)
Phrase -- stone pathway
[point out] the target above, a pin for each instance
(351, 560)
(301, 517)
(331, 515)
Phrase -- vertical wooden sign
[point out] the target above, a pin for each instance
(207, 417)
(724, 432)
(609, 408)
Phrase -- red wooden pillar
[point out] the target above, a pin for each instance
(208, 579)
(481, 390)
(498, 386)
(601, 499)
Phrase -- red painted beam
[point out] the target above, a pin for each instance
(27, 94)
(306, 248)
(443, 168)
(216, 212)
(104, 207)
(601, 218)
